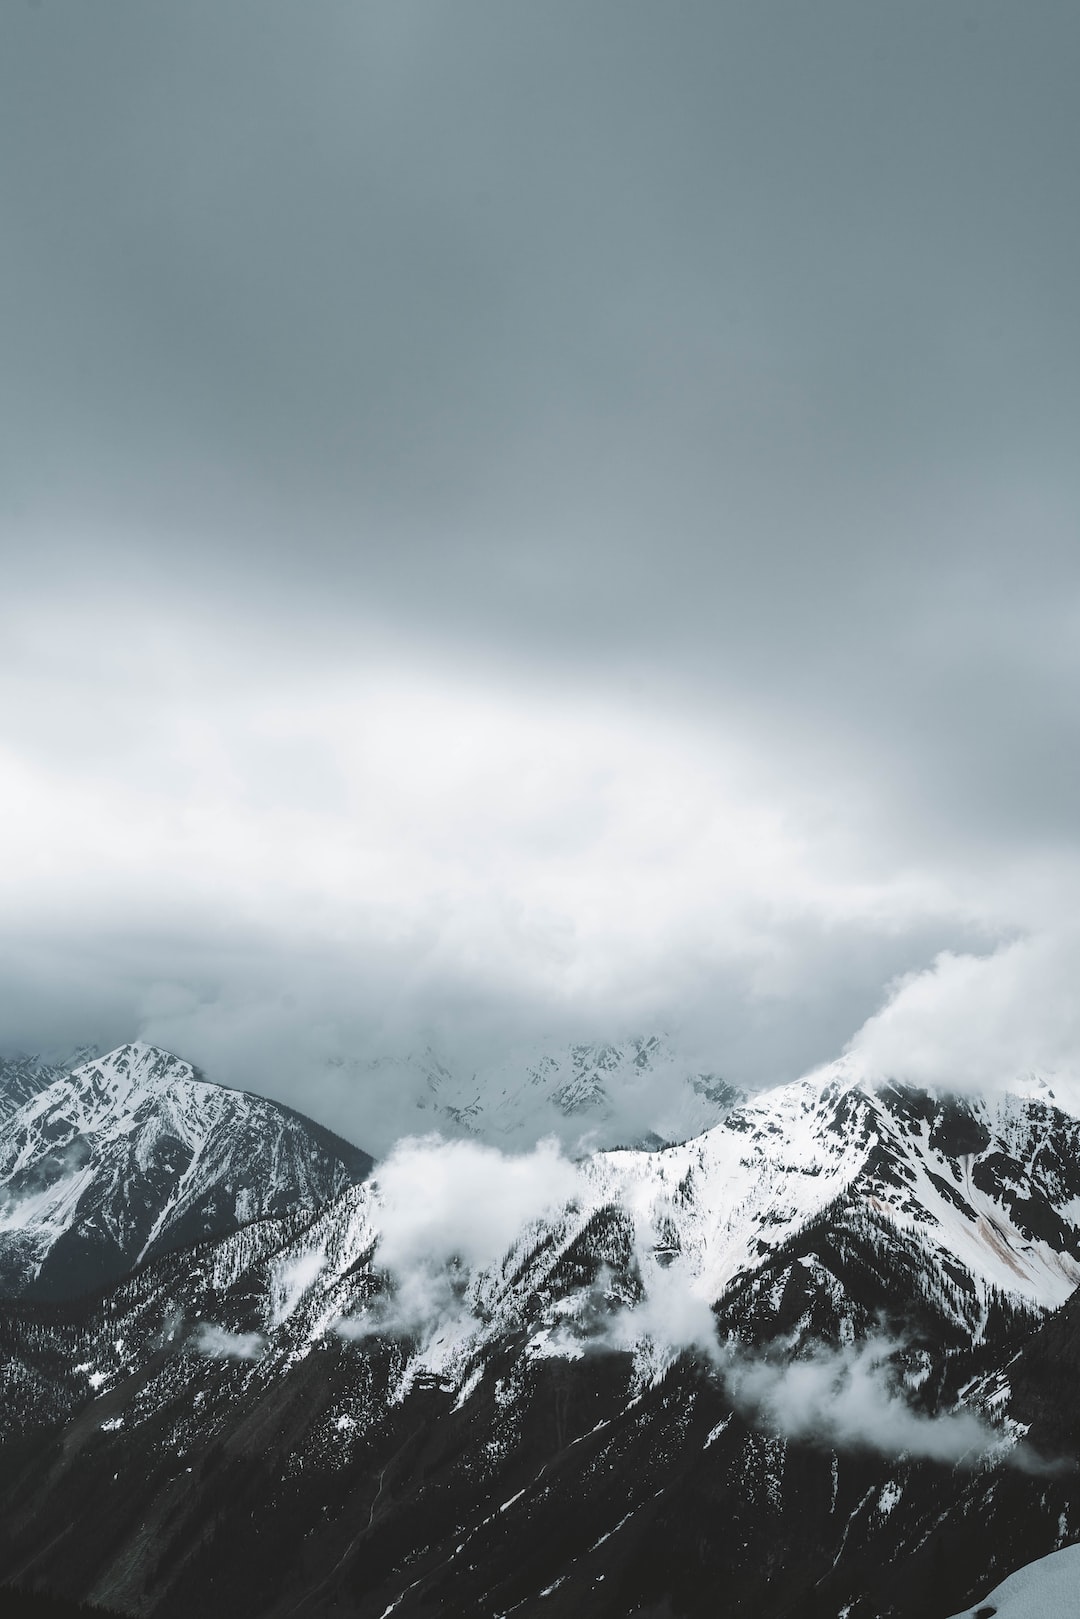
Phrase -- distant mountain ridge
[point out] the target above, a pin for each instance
(639, 1091)
(22, 1077)
(134, 1153)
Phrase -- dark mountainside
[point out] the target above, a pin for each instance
(16, 1603)
(245, 1430)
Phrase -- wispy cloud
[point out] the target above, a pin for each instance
(852, 1399)
(218, 1343)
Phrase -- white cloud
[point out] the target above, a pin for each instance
(566, 844)
(291, 1282)
(445, 1209)
(267, 873)
(673, 1315)
(444, 1200)
(979, 1022)
(218, 1343)
(849, 1398)
(422, 1300)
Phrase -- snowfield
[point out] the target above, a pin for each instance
(1049, 1588)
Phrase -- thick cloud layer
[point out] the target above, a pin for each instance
(534, 523)
(977, 1022)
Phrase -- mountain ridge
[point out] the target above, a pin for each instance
(595, 1416)
(130, 1152)
(590, 1094)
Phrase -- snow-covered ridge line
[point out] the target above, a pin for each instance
(983, 1199)
(466, 1287)
(136, 1146)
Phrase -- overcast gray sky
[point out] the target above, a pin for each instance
(537, 520)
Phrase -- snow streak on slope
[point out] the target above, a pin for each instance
(133, 1153)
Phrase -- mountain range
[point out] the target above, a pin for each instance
(640, 1091)
(822, 1358)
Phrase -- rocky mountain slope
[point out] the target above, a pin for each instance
(821, 1360)
(21, 1078)
(132, 1154)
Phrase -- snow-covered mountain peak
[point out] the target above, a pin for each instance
(824, 1087)
(135, 1152)
(137, 1064)
(1034, 1087)
(136, 1086)
(990, 1184)
(132, 1073)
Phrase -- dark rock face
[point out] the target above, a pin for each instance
(18, 1603)
(957, 1132)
